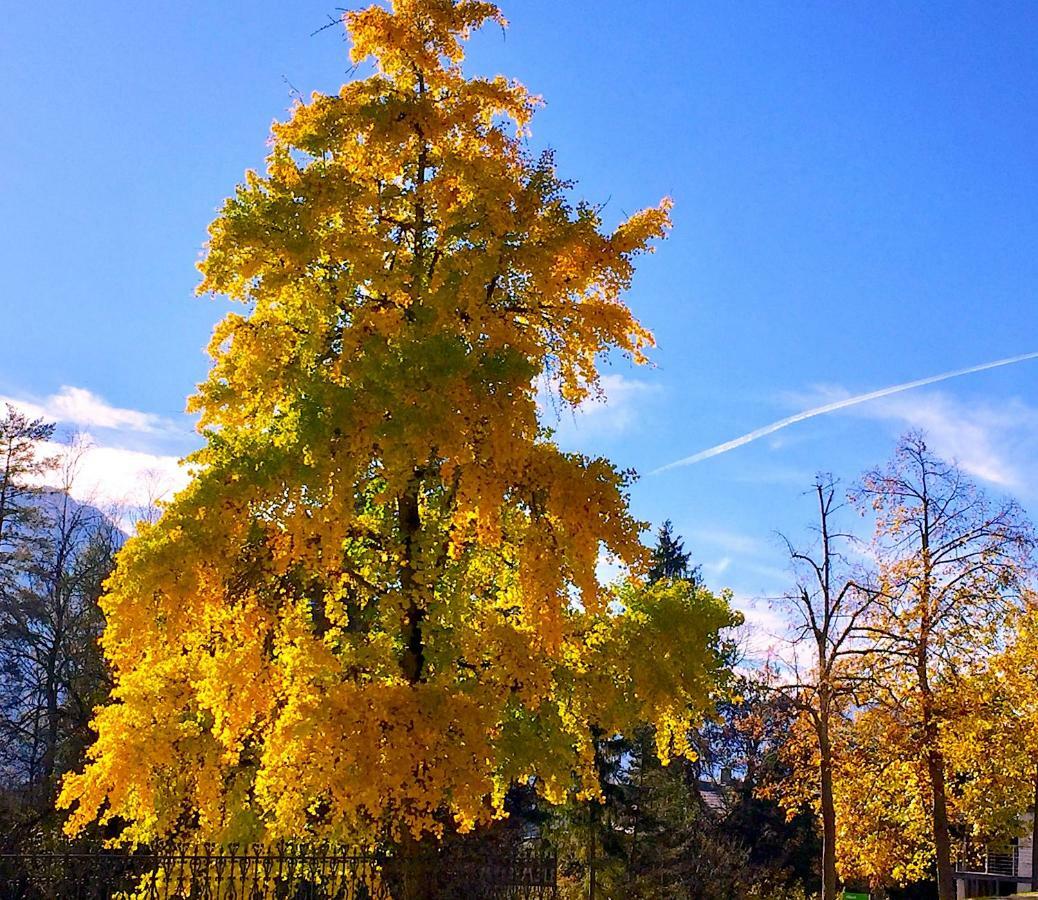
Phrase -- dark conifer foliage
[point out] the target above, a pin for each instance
(669, 558)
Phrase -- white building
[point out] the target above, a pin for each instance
(984, 872)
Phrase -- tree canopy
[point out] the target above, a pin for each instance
(377, 605)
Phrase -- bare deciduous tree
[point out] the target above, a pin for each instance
(827, 607)
(50, 622)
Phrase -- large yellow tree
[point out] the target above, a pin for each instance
(376, 606)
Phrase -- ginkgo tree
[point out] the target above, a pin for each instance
(377, 604)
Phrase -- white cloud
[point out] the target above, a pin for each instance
(718, 567)
(126, 480)
(844, 402)
(107, 474)
(616, 412)
(608, 568)
(730, 542)
(992, 441)
(84, 409)
(764, 632)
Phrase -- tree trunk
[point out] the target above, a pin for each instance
(1034, 834)
(57, 601)
(828, 809)
(941, 834)
(415, 883)
(50, 745)
(592, 887)
(935, 769)
(410, 524)
(934, 758)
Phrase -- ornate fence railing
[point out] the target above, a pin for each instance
(285, 872)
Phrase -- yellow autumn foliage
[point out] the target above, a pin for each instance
(376, 606)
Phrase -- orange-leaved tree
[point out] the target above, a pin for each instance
(376, 606)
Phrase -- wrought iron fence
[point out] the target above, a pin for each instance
(285, 872)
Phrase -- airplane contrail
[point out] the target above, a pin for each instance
(833, 407)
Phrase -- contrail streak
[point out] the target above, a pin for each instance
(833, 407)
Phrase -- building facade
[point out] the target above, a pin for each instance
(987, 872)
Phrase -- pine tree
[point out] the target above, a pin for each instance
(22, 467)
(669, 559)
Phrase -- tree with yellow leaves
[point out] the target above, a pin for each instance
(952, 565)
(376, 606)
(883, 802)
(993, 750)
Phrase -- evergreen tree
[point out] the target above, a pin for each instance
(669, 558)
(632, 840)
(22, 466)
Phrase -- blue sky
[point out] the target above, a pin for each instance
(857, 206)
